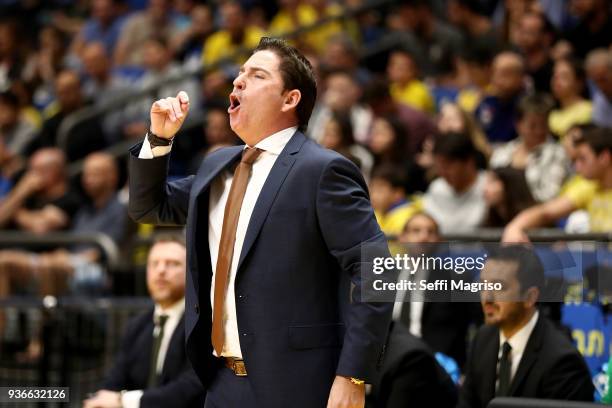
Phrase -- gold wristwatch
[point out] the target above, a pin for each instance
(356, 381)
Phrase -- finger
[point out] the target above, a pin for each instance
(183, 99)
(176, 107)
(162, 106)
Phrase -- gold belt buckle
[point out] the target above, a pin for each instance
(239, 368)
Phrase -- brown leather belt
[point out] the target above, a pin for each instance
(236, 365)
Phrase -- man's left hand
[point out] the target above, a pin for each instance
(345, 394)
(104, 399)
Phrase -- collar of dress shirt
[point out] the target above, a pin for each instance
(519, 340)
(173, 312)
(276, 142)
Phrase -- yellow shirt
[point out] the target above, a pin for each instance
(306, 15)
(595, 200)
(561, 120)
(415, 94)
(392, 223)
(219, 45)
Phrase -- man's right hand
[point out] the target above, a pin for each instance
(168, 114)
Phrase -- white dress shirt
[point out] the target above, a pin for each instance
(272, 146)
(518, 342)
(131, 399)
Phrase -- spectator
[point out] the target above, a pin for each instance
(389, 200)
(342, 94)
(594, 29)
(188, 45)
(406, 87)
(469, 16)
(568, 86)
(388, 140)
(341, 54)
(534, 38)
(151, 368)
(519, 352)
(159, 67)
(542, 159)
(475, 66)
(453, 119)
(455, 199)
(85, 137)
(235, 33)
(432, 316)
(418, 125)
(16, 132)
(496, 112)
(155, 21)
(44, 65)
(594, 162)
(42, 201)
(506, 193)
(76, 269)
(599, 69)
(427, 36)
(104, 26)
(217, 134)
(338, 136)
(11, 55)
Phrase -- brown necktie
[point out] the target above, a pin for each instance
(228, 238)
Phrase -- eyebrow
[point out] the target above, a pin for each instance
(243, 68)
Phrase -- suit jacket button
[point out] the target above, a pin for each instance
(197, 309)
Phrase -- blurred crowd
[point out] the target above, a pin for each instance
(481, 113)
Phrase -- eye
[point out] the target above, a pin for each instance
(259, 76)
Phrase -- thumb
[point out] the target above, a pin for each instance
(183, 99)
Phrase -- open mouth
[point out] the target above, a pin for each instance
(234, 103)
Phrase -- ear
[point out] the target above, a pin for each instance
(531, 296)
(292, 99)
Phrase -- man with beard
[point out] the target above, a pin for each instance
(518, 352)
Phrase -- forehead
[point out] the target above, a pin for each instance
(167, 250)
(265, 59)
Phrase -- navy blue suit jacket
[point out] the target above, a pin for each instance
(178, 386)
(298, 325)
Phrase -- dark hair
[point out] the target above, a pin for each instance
(397, 150)
(9, 98)
(392, 173)
(346, 128)
(297, 73)
(537, 103)
(599, 139)
(475, 6)
(529, 271)
(517, 196)
(455, 146)
(577, 68)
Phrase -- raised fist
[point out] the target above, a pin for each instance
(168, 114)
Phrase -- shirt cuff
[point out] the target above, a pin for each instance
(147, 153)
(131, 399)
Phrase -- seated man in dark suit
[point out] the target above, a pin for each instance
(519, 352)
(410, 376)
(151, 369)
(442, 324)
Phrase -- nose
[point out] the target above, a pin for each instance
(239, 82)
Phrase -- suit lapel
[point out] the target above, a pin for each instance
(275, 180)
(210, 170)
(489, 360)
(530, 356)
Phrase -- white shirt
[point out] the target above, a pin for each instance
(131, 399)
(518, 342)
(272, 145)
(415, 297)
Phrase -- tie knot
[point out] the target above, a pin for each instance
(250, 154)
(161, 320)
(506, 349)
